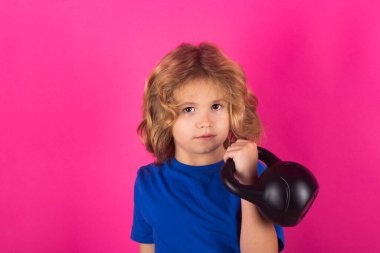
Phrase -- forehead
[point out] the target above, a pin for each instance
(204, 89)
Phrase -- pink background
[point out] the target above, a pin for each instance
(71, 81)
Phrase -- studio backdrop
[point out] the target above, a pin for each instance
(72, 76)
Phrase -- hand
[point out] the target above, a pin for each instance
(245, 156)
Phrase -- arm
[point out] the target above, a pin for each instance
(141, 229)
(146, 248)
(257, 234)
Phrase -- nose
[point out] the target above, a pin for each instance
(204, 121)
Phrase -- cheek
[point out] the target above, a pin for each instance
(226, 120)
(179, 122)
(179, 127)
(175, 128)
(224, 124)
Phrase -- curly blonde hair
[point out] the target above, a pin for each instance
(188, 63)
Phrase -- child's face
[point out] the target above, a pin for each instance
(203, 123)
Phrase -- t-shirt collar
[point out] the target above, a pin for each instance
(214, 167)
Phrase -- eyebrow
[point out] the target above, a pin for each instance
(213, 102)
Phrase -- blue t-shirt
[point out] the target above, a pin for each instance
(183, 208)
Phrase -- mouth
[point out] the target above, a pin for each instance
(205, 136)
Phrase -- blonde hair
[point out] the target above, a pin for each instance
(188, 63)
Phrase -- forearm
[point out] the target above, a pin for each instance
(257, 234)
(146, 248)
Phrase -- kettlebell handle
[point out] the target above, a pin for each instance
(247, 192)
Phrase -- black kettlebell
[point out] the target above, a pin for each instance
(284, 192)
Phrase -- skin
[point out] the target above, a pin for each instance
(199, 133)
(202, 124)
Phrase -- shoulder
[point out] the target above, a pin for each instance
(146, 169)
(144, 178)
(149, 172)
(149, 180)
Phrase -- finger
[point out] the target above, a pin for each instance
(240, 144)
(229, 154)
(241, 141)
(234, 148)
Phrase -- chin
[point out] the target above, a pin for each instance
(209, 150)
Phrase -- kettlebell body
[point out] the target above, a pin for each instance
(283, 193)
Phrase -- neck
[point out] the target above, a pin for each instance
(200, 159)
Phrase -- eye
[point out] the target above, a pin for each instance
(216, 107)
(188, 109)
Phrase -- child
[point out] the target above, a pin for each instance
(197, 113)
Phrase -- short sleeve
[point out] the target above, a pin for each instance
(280, 237)
(141, 229)
(279, 230)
